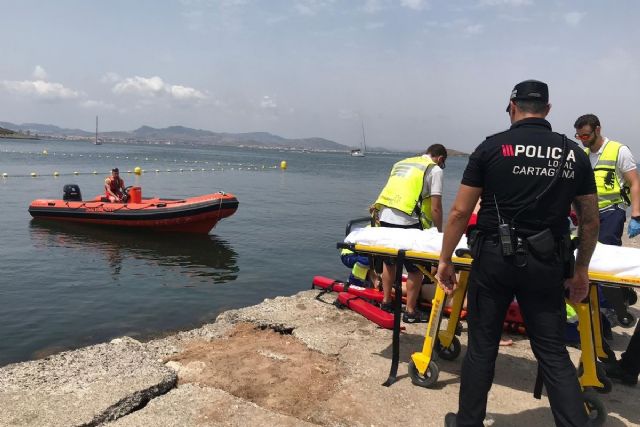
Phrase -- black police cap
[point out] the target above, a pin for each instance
(530, 90)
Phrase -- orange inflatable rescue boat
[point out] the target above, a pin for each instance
(197, 214)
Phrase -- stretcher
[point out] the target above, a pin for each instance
(422, 248)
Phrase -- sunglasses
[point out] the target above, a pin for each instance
(584, 136)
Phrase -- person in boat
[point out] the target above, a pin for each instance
(412, 198)
(114, 187)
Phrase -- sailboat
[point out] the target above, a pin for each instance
(360, 152)
(97, 141)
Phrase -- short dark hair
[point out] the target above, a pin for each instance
(115, 170)
(436, 150)
(588, 119)
(531, 106)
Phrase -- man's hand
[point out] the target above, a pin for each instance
(633, 229)
(447, 277)
(578, 285)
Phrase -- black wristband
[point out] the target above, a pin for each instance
(637, 218)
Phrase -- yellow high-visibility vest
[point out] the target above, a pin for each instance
(403, 190)
(609, 190)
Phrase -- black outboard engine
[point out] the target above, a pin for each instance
(71, 193)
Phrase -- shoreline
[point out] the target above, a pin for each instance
(290, 361)
(287, 361)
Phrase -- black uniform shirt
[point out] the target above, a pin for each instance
(517, 165)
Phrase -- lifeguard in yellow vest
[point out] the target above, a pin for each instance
(412, 198)
(617, 180)
(618, 187)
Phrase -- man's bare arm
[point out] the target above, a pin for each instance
(436, 211)
(632, 179)
(588, 227)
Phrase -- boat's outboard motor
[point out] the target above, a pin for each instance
(71, 193)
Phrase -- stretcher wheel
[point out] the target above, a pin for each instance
(627, 321)
(428, 379)
(595, 408)
(450, 353)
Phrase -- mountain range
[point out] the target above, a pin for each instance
(182, 135)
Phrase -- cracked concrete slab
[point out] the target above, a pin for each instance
(82, 387)
(193, 405)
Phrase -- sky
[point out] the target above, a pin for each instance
(413, 72)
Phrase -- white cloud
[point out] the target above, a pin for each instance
(40, 89)
(98, 105)
(414, 4)
(39, 73)
(155, 86)
(268, 103)
(574, 18)
(185, 93)
(506, 2)
(474, 29)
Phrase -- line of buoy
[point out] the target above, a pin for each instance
(45, 152)
(139, 171)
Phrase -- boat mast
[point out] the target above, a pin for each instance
(96, 142)
(364, 141)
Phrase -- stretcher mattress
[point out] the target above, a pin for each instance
(614, 261)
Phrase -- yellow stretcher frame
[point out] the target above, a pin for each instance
(423, 368)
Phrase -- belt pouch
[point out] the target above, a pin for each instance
(542, 245)
(475, 238)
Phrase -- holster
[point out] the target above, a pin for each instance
(543, 245)
(567, 248)
(475, 238)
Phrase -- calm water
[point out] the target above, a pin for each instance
(63, 286)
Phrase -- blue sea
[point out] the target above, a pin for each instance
(64, 286)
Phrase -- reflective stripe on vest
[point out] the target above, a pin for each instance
(572, 316)
(403, 190)
(346, 251)
(605, 174)
(359, 271)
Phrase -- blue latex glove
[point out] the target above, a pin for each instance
(633, 229)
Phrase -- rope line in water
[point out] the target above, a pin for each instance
(56, 174)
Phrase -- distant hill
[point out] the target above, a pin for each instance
(8, 133)
(181, 135)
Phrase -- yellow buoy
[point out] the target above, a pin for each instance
(283, 164)
(33, 174)
(137, 170)
(56, 173)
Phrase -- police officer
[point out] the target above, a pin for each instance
(527, 178)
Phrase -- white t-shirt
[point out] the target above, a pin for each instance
(624, 164)
(433, 186)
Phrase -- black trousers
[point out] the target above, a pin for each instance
(631, 357)
(538, 287)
